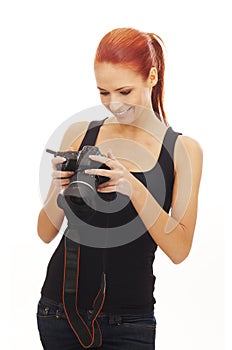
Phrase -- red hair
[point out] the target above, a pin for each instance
(140, 52)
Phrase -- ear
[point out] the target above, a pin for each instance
(153, 76)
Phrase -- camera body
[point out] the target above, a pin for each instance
(71, 161)
(82, 189)
(80, 161)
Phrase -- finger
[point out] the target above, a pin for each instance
(56, 161)
(110, 182)
(99, 172)
(104, 160)
(61, 182)
(107, 189)
(110, 155)
(62, 174)
(97, 158)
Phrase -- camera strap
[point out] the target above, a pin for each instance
(89, 335)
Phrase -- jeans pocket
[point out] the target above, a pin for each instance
(49, 310)
(140, 331)
(51, 323)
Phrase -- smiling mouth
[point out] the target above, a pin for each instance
(120, 114)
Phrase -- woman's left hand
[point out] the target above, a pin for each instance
(120, 177)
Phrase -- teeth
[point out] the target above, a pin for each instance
(123, 112)
(120, 113)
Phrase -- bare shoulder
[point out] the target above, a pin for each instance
(189, 146)
(74, 135)
(188, 158)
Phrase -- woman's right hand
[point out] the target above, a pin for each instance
(61, 179)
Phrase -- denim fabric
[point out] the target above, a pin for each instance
(119, 332)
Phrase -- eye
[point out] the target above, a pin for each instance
(125, 92)
(104, 93)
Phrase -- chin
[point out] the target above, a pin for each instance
(126, 118)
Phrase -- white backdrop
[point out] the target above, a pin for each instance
(46, 77)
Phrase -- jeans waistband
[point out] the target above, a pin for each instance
(89, 312)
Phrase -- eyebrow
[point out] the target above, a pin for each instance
(121, 88)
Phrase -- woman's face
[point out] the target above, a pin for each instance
(123, 91)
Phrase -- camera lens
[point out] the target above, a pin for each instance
(80, 198)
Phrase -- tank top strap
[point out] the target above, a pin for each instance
(92, 133)
(169, 142)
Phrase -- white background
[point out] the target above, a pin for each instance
(47, 51)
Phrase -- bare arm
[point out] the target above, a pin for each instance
(51, 216)
(174, 233)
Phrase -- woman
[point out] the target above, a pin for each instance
(155, 173)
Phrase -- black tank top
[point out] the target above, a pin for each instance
(128, 267)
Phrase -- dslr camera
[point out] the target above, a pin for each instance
(82, 190)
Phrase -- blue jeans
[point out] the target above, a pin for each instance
(119, 332)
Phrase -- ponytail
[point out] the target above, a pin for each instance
(158, 90)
